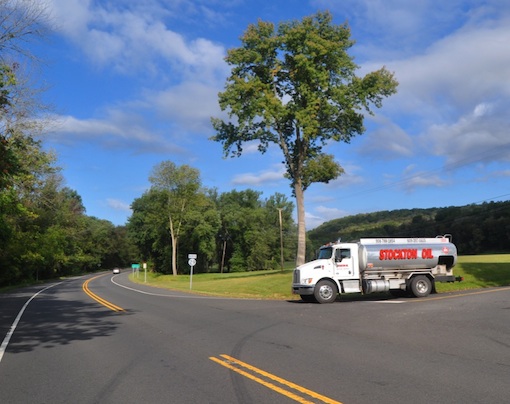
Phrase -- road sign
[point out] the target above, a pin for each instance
(192, 261)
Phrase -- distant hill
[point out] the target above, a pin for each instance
(476, 229)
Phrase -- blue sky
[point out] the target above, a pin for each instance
(135, 83)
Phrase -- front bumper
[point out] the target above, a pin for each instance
(302, 290)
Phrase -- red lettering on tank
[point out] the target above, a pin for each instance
(398, 254)
(426, 253)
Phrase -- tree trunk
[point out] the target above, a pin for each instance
(174, 247)
(300, 203)
(223, 254)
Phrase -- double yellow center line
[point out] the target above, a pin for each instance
(284, 386)
(98, 299)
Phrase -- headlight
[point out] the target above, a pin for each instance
(307, 281)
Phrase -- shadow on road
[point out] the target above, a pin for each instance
(51, 320)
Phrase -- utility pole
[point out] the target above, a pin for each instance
(224, 237)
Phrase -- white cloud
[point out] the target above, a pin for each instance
(267, 177)
(134, 38)
(459, 71)
(452, 99)
(348, 178)
(412, 179)
(190, 104)
(118, 129)
(398, 27)
(251, 147)
(503, 173)
(181, 77)
(313, 221)
(118, 205)
(71, 16)
(330, 213)
(479, 136)
(387, 141)
(322, 214)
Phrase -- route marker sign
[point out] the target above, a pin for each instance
(192, 261)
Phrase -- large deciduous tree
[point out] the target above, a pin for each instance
(179, 185)
(296, 87)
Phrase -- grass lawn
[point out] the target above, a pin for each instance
(479, 271)
(255, 285)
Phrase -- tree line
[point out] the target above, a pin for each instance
(475, 228)
(231, 231)
(44, 231)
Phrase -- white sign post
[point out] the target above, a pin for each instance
(192, 261)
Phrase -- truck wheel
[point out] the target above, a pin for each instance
(421, 286)
(325, 292)
(308, 298)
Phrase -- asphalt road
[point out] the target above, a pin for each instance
(156, 346)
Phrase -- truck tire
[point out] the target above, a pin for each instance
(325, 292)
(421, 286)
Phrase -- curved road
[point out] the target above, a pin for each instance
(102, 339)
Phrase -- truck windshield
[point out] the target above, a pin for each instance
(325, 253)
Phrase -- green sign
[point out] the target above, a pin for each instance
(135, 266)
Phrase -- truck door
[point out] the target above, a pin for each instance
(343, 264)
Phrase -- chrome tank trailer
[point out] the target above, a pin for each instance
(381, 254)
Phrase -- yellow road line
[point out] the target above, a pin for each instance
(98, 299)
(230, 363)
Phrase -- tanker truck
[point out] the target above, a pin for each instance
(401, 266)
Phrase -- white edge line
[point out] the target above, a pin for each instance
(9, 334)
(178, 296)
(390, 302)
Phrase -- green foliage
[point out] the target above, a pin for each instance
(234, 231)
(321, 169)
(296, 87)
(147, 228)
(178, 186)
(476, 229)
(202, 224)
(251, 232)
(9, 162)
(174, 215)
(44, 231)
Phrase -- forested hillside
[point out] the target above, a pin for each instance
(475, 229)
